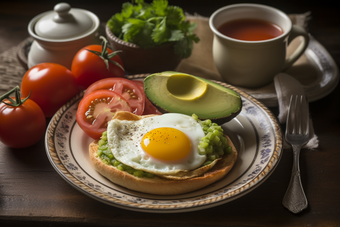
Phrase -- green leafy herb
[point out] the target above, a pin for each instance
(149, 25)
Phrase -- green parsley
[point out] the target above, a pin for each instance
(149, 25)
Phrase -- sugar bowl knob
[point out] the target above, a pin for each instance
(62, 13)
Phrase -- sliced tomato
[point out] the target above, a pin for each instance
(126, 88)
(97, 108)
(149, 107)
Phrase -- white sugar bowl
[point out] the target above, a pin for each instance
(59, 34)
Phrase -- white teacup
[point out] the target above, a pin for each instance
(254, 63)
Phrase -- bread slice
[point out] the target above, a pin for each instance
(162, 186)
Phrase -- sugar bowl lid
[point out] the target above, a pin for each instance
(64, 23)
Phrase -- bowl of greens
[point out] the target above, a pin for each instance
(151, 37)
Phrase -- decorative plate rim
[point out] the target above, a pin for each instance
(161, 208)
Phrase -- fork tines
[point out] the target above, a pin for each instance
(298, 115)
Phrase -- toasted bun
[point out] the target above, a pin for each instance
(162, 186)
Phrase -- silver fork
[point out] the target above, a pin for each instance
(297, 134)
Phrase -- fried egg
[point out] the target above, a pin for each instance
(163, 144)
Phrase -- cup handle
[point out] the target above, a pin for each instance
(295, 32)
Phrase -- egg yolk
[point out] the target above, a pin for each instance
(167, 144)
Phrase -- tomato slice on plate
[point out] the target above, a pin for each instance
(149, 107)
(97, 108)
(126, 88)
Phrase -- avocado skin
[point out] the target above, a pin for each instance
(162, 109)
(219, 121)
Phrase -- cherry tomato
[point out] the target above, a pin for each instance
(97, 108)
(149, 107)
(129, 90)
(23, 125)
(89, 67)
(51, 86)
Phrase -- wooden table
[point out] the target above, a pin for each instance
(33, 194)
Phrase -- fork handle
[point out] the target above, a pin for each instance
(295, 199)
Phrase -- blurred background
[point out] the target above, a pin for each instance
(16, 14)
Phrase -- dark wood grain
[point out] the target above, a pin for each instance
(33, 194)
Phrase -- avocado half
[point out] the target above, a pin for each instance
(177, 92)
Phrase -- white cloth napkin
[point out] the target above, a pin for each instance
(285, 86)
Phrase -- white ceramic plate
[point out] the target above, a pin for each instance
(255, 132)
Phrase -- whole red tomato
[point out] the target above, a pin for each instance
(96, 62)
(22, 125)
(51, 86)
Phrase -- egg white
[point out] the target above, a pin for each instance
(124, 140)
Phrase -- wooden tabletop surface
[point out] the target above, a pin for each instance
(33, 194)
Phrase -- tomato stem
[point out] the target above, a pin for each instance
(105, 55)
(18, 101)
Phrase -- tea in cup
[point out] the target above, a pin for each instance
(250, 43)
